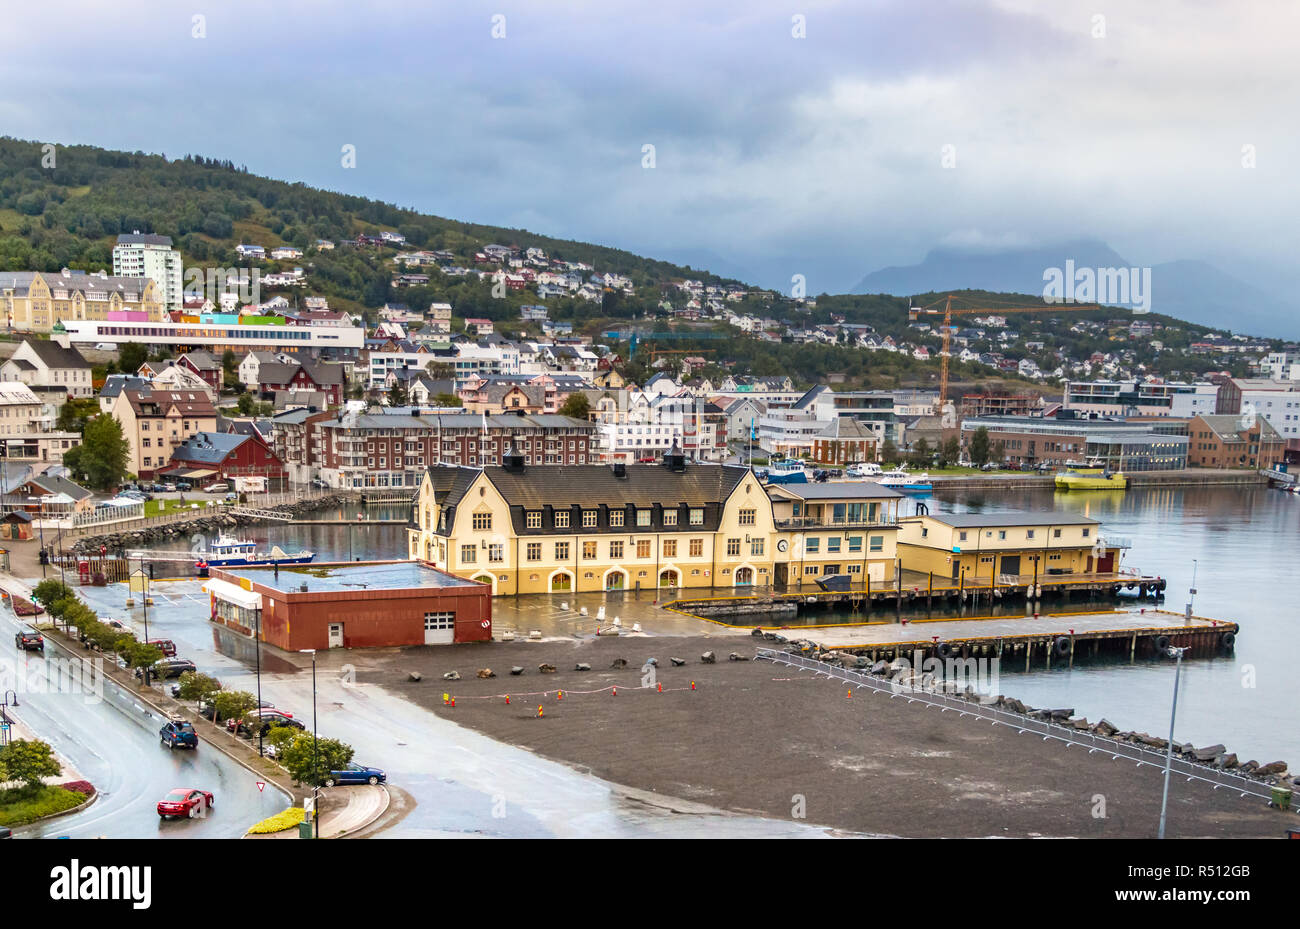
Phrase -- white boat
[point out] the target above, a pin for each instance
(228, 551)
(903, 480)
(786, 471)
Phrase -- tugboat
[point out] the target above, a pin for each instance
(228, 551)
(1091, 479)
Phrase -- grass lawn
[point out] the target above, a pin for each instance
(19, 806)
(160, 506)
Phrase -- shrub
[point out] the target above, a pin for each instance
(20, 806)
(280, 821)
(85, 788)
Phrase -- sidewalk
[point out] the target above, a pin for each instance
(345, 810)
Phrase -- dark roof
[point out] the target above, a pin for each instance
(55, 355)
(59, 485)
(989, 520)
(209, 447)
(836, 490)
(597, 486)
(138, 238)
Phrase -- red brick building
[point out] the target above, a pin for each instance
(351, 605)
(1233, 442)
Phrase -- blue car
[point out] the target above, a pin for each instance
(177, 733)
(355, 774)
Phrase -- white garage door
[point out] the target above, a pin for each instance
(439, 628)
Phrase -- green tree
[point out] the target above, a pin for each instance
(311, 768)
(246, 404)
(100, 460)
(447, 400)
(889, 453)
(74, 414)
(50, 592)
(397, 396)
(979, 446)
(230, 366)
(135, 653)
(28, 761)
(951, 452)
(233, 704)
(576, 405)
(131, 356)
(195, 686)
(921, 454)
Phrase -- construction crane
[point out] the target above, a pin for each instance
(949, 311)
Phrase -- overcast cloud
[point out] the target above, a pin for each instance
(820, 156)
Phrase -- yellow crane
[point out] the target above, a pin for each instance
(949, 311)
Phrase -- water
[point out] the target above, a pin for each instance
(1244, 543)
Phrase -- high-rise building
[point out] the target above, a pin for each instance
(151, 256)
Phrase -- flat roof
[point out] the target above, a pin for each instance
(981, 520)
(349, 577)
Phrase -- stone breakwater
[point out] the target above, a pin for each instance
(1217, 757)
(207, 524)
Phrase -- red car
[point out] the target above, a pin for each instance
(185, 801)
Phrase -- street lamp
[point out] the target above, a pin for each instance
(1177, 655)
(257, 652)
(1191, 593)
(315, 758)
(4, 717)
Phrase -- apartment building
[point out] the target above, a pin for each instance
(154, 422)
(1233, 442)
(152, 256)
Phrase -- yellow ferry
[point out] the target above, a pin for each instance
(1090, 479)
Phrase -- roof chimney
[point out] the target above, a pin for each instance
(512, 460)
(674, 460)
(620, 470)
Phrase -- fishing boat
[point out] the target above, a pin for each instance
(228, 551)
(905, 481)
(786, 471)
(1091, 479)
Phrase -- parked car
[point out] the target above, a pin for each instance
(989, 466)
(169, 667)
(269, 717)
(116, 624)
(189, 802)
(177, 733)
(167, 645)
(220, 487)
(232, 497)
(183, 486)
(158, 488)
(169, 487)
(208, 710)
(318, 484)
(6, 832)
(29, 640)
(353, 773)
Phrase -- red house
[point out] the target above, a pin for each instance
(327, 378)
(210, 456)
(205, 366)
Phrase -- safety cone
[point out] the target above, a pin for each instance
(692, 685)
(507, 699)
(453, 701)
(559, 695)
(539, 711)
(661, 688)
(614, 692)
(849, 694)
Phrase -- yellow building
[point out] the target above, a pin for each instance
(549, 528)
(840, 527)
(33, 301)
(983, 548)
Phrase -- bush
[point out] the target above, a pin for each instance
(85, 788)
(280, 821)
(20, 805)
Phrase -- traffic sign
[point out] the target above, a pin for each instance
(261, 786)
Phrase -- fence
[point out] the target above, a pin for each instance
(1024, 724)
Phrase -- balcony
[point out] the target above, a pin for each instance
(828, 522)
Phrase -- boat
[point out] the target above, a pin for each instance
(1091, 479)
(786, 471)
(903, 480)
(228, 551)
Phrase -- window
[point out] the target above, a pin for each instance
(561, 519)
(733, 546)
(670, 548)
(747, 517)
(588, 551)
(924, 532)
(812, 546)
(853, 569)
(497, 552)
(961, 536)
(1085, 533)
(643, 517)
(643, 548)
(1056, 533)
(810, 569)
(482, 521)
(616, 550)
(534, 519)
(468, 554)
(855, 543)
(561, 551)
(670, 517)
(697, 516)
(833, 546)
(534, 551)
(697, 548)
(1002, 534)
(434, 621)
(1029, 534)
(588, 519)
(877, 543)
(615, 518)
(756, 546)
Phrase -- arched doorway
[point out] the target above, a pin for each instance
(744, 576)
(561, 581)
(486, 579)
(616, 580)
(669, 578)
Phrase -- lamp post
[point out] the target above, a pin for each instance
(315, 757)
(1191, 592)
(257, 652)
(1177, 655)
(4, 716)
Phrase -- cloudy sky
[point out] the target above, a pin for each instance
(773, 154)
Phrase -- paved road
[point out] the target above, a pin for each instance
(114, 744)
(464, 783)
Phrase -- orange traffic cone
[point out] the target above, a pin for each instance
(661, 688)
(849, 694)
(539, 711)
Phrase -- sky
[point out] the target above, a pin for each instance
(827, 139)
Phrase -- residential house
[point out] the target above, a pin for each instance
(155, 421)
(48, 366)
(212, 455)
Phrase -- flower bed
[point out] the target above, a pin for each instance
(287, 819)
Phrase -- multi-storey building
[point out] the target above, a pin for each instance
(33, 301)
(155, 422)
(47, 367)
(396, 449)
(151, 256)
(1233, 442)
(1140, 398)
(1276, 401)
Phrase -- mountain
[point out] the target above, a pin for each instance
(1191, 290)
